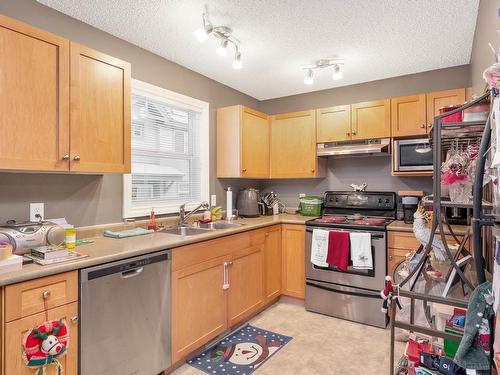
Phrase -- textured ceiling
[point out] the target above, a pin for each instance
(377, 38)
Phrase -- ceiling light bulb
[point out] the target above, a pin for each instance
(222, 48)
(308, 79)
(337, 73)
(237, 63)
(201, 35)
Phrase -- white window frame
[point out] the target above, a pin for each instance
(183, 101)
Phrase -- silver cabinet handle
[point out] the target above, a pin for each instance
(225, 285)
(46, 294)
(74, 319)
(422, 126)
(76, 157)
(353, 133)
(348, 134)
(65, 157)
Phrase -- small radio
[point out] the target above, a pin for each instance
(25, 236)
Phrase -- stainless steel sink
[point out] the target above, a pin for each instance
(186, 231)
(219, 225)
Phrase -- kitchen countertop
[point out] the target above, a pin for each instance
(401, 226)
(104, 250)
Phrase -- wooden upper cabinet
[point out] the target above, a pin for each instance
(408, 116)
(293, 145)
(334, 124)
(439, 99)
(34, 98)
(242, 142)
(100, 112)
(371, 119)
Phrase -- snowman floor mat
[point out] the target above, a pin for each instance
(240, 353)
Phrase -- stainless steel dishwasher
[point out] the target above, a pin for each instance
(125, 316)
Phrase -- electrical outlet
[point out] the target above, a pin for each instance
(36, 211)
(213, 200)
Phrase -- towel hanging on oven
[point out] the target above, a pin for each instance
(319, 247)
(361, 250)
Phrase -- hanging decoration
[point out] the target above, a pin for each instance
(45, 345)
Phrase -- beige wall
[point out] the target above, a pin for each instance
(87, 200)
(487, 25)
(398, 86)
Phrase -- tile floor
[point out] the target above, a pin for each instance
(321, 345)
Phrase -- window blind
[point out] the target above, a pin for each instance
(166, 161)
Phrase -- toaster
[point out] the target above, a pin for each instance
(24, 236)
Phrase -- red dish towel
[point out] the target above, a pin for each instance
(338, 250)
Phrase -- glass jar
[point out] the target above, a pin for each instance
(461, 192)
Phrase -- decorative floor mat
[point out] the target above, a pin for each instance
(240, 353)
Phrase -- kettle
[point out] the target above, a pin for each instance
(248, 203)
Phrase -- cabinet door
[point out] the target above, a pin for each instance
(246, 294)
(254, 144)
(438, 99)
(293, 279)
(100, 112)
(272, 263)
(371, 119)
(293, 145)
(34, 98)
(198, 306)
(408, 116)
(334, 123)
(17, 329)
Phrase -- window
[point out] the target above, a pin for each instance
(170, 158)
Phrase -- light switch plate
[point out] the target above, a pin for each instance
(213, 200)
(35, 210)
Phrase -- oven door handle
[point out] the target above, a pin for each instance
(334, 288)
(374, 235)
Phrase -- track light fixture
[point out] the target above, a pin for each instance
(309, 79)
(237, 64)
(223, 33)
(321, 64)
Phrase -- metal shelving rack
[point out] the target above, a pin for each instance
(442, 136)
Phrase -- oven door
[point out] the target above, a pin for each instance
(368, 279)
(412, 155)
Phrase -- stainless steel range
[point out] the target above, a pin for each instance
(355, 293)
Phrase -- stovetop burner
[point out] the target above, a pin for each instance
(357, 210)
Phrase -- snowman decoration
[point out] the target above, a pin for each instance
(246, 353)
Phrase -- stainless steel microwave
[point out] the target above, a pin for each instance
(412, 155)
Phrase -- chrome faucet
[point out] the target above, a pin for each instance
(183, 217)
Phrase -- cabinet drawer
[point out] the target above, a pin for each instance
(27, 298)
(407, 240)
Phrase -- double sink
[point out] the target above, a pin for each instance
(203, 228)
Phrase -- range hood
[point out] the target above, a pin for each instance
(369, 147)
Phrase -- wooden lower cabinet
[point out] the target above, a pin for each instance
(401, 243)
(272, 263)
(15, 331)
(198, 306)
(293, 245)
(245, 280)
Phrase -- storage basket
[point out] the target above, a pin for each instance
(310, 205)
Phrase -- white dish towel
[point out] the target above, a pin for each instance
(319, 247)
(361, 250)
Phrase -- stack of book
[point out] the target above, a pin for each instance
(52, 254)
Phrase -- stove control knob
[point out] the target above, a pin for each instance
(379, 200)
(387, 201)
